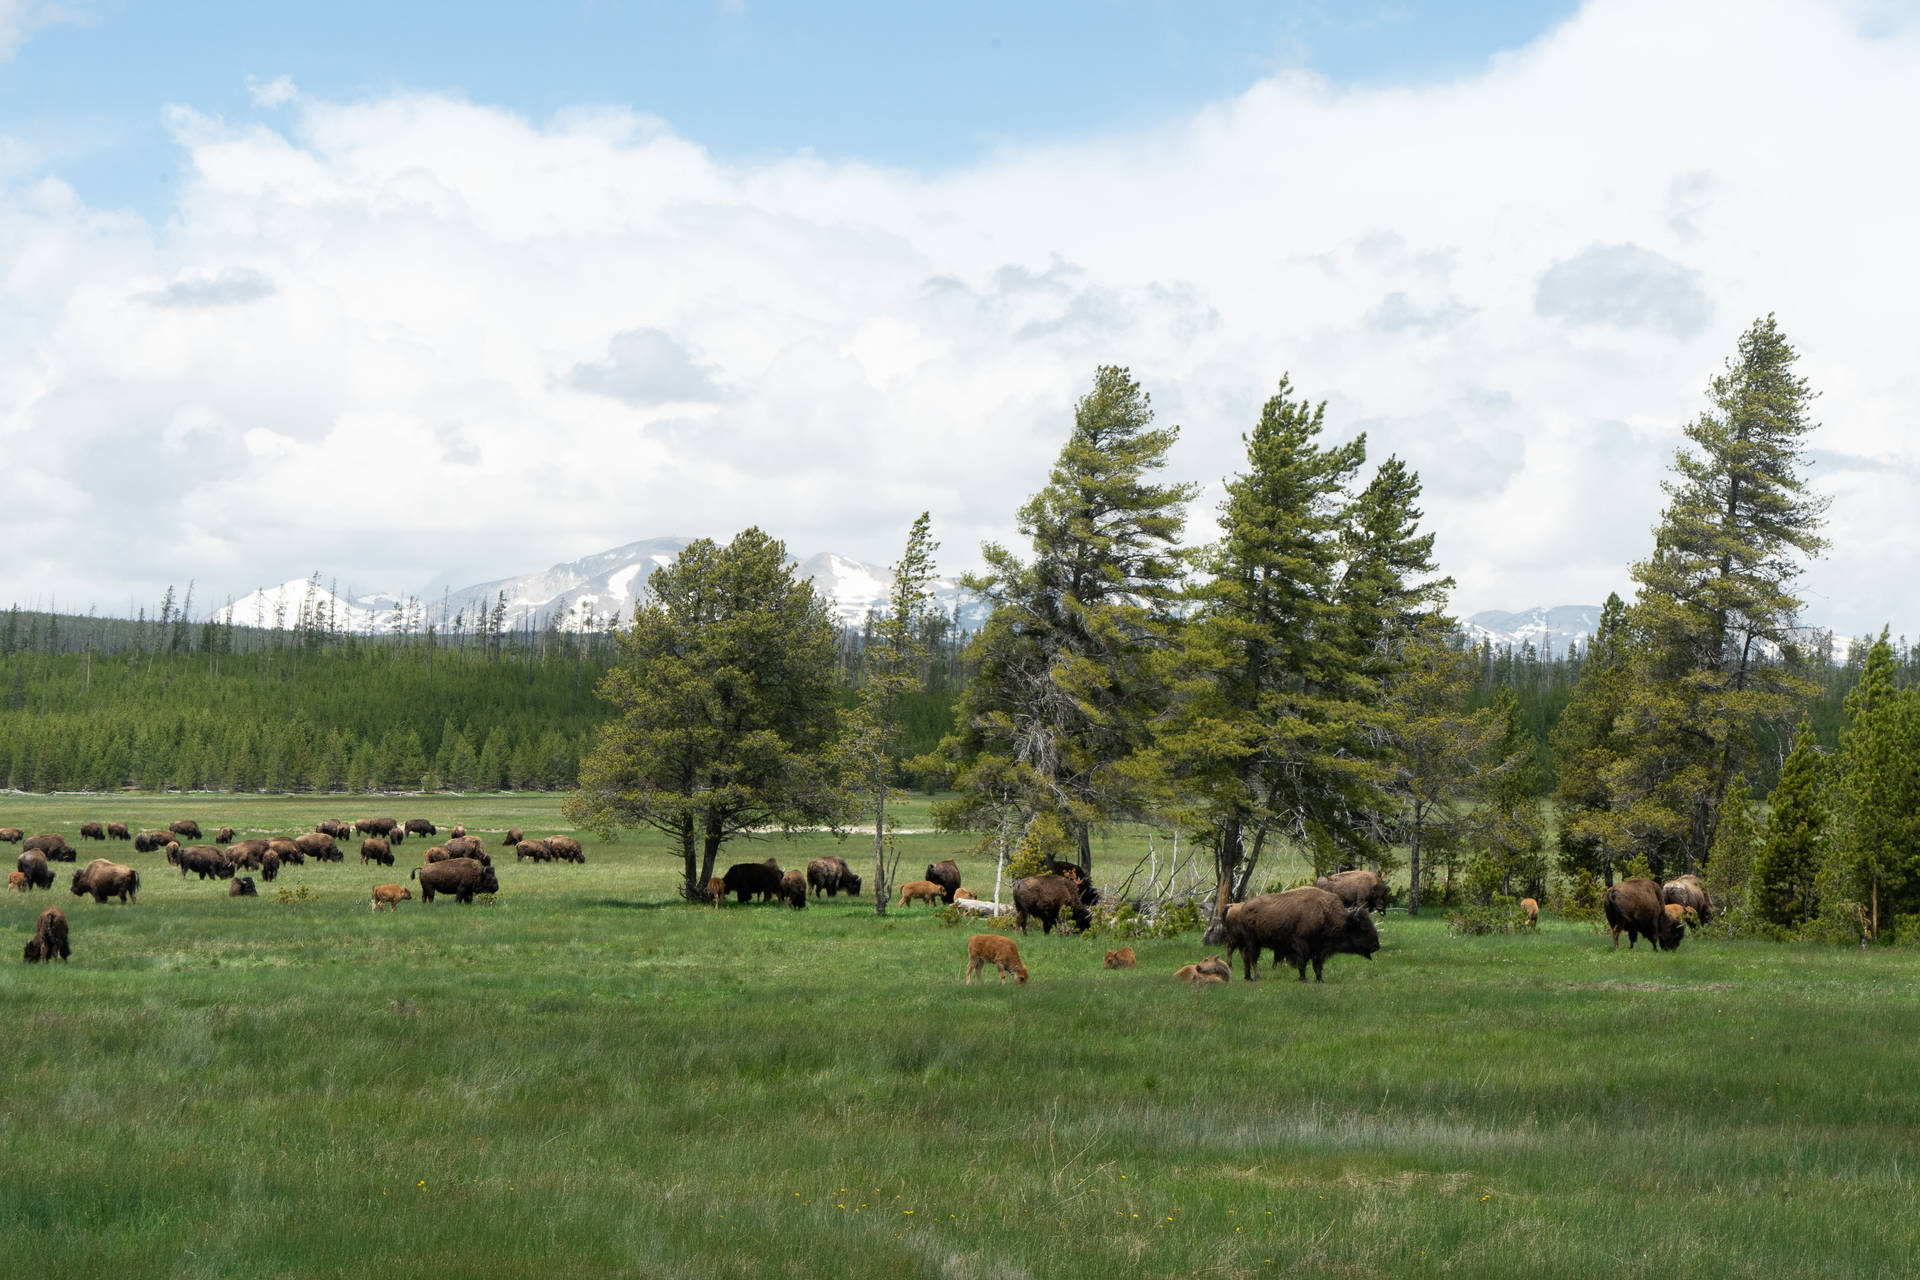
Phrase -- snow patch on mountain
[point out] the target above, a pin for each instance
(1551, 631)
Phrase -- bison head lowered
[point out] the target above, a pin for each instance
(1358, 937)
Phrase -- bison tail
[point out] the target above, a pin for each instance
(414, 874)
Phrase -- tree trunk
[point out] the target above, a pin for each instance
(1413, 865)
(1086, 848)
(1253, 863)
(879, 850)
(1225, 863)
(690, 855)
(711, 850)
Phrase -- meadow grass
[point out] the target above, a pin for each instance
(587, 1077)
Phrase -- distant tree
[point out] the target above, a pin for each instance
(1507, 824)
(724, 703)
(1736, 844)
(1588, 744)
(1786, 871)
(1876, 792)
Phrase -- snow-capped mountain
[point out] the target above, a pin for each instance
(1551, 632)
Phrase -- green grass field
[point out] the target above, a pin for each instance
(586, 1077)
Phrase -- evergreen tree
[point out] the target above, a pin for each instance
(1736, 843)
(1588, 744)
(1876, 846)
(1508, 823)
(1783, 889)
(494, 755)
(725, 705)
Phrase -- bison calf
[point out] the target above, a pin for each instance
(1121, 959)
(990, 948)
(389, 895)
(716, 891)
(1531, 910)
(1212, 969)
(920, 891)
(17, 881)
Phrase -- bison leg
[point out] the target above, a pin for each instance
(1317, 962)
(973, 967)
(1003, 973)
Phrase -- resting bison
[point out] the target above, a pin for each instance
(1212, 969)
(17, 882)
(991, 949)
(1121, 959)
(466, 847)
(52, 844)
(269, 866)
(374, 849)
(152, 841)
(105, 880)
(831, 875)
(204, 860)
(92, 831)
(966, 894)
(946, 874)
(1687, 891)
(11, 835)
(186, 828)
(242, 887)
(793, 887)
(746, 880)
(1356, 889)
(1531, 910)
(514, 836)
(333, 827)
(1044, 897)
(461, 877)
(389, 895)
(33, 865)
(49, 940)
(223, 836)
(1300, 925)
(1633, 907)
(534, 849)
(566, 849)
(919, 891)
(421, 827)
(117, 831)
(319, 846)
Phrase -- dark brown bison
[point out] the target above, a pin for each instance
(461, 877)
(287, 851)
(247, 853)
(397, 836)
(242, 887)
(33, 865)
(1687, 891)
(269, 866)
(946, 874)
(831, 875)
(11, 835)
(105, 880)
(1044, 897)
(534, 849)
(566, 849)
(1300, 925)
(514, 836)
(92, 831)
(223, 836)
(319, 846)
(1356, 888)
(374, 849)
(49, 940)
(467, 847)
(793, 887)
(374, 826)
(52, 844)
(421, 827)
(186, 828)
(333, 827)
(1633, 907)
(459, 830)
(754, 879)
(204, 860)
(152, 841)
(117, 831)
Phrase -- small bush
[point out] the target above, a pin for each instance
(1497, 917)
(299, 893)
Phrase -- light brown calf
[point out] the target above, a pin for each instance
(965, 893)
(17, 881)
(717, 892)
(1532, 910)
(389, 895)
(1121, 959)
(990, 948)
(921, 891)
(1212, 969)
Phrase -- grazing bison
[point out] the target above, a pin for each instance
(1530, 909)
(746, 880)
(421, 827)
(1633, 907)
(204, 860)
(319, 846)
(152, 841)
(438, 853)
(11, 835)
(186, 828)
(248, 853)
(105, 880)
(467, 847)
(1044, 897)
(1689, 892)
(831, 875)
(717, 891)
(1210, 970)
(1300, 925)
(374, 849)
(17, 882)
(374, 826)
(461, 877)
(1121, 959)
(33, 865)
(242, 887)
(566, 849)
(92, 831)
(223, 836)
(534, 849)
(946, 874)
(397, 836)
(269, 866)
(514, 836)
(287, 851)
(991, 949)
(52, 844)
(389, 895)
(117, 831)
(333, 827)
(49, 940)
(919, 891)
(793, 887)
(1356, 889)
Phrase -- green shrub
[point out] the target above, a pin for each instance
(1495, 917)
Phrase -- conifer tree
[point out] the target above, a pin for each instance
(1785, 873)
(1588, 743)
(1736, 843)
(1508, 824)
(1876, 846)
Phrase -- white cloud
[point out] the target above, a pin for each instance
(277, 92)
(19, 19)
(826, 349)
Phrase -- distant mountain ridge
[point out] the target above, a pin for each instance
(1551, 631)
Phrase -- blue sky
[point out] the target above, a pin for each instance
(917, 86)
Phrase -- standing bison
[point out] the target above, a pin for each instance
(1356, 889)
(1633, 907)
(49, 940)
(92, 831)
(374, 826)
(461, 877)
(11, 835)
(831, 875)
(33, 865)
(117, 831)
(247, 853)
(746, 880)
(566, 849)
(534, 849)
(269, 866)
(52, 844)
(204, 860)
(374, 849)
(186, 828)
(946, 874)
(223, 836)
(1300, 926)
(464, 847)
(333, 827)
(152, 841)
(319, 846)
(105, 880)
(514, 836)
(421, 827)
(1687, 891)
(793, 887)
(1044, 898)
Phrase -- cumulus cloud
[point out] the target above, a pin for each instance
(1625, 286)
(1520, 279)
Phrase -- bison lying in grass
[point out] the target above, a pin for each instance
(992, 949)
(1210, 970)
(1300, 926)
(49, 940)
(1121, 959)
(242, 887)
